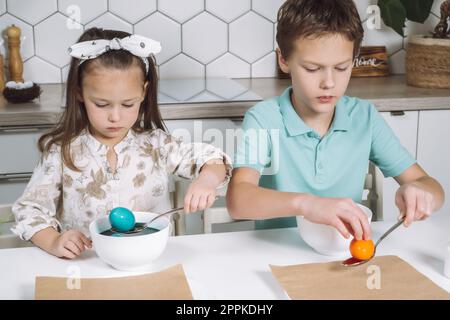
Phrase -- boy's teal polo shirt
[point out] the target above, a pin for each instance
(292, 157)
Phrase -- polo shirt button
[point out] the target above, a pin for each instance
(320, 166)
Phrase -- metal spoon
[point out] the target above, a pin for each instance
(353, 262)
(141, 226)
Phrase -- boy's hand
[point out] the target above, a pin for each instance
(414, 202)
(200, 195)
(341, 213)
(70, 244)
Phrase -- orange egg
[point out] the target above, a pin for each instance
(362, 249)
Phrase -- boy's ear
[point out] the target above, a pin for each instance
(284, 66)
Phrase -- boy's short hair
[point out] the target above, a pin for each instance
(314, 18)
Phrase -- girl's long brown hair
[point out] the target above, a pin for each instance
(74, 118)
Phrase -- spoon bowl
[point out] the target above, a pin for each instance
(353, 262)
(139, 227)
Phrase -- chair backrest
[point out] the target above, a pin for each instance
(218, 219)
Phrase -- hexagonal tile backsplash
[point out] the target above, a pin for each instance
(200, 38)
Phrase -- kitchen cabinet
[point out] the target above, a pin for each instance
(18, 159)
(433, 148)
(404, 125)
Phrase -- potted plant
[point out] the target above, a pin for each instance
(427, 56)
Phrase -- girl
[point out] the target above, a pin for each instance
(110, 148)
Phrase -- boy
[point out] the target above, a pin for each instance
(317, 142)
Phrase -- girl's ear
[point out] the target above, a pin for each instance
(144, 94)
(284, 66)
(79, 96)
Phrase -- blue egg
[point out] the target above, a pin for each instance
(122, 219)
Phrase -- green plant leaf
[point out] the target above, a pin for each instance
(393, 14)
(417, 10)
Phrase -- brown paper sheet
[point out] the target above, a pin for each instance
(383, 278)
(169, 284)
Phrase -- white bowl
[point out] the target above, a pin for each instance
(130, 253)
(325, 239)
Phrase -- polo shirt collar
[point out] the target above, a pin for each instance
(295, 124)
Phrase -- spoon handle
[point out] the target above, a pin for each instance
(389, 231)
(165, 213)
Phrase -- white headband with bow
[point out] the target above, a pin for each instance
(135, 44)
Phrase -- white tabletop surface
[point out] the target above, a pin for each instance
(232, 265)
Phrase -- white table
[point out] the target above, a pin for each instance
(232, 265)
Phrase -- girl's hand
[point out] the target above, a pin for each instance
(200, 195)
(341, 213)
(414, 202)
(70, 244)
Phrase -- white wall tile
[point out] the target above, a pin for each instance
(163, 29)
(181, 10)
(110, 21)
(205, 28)
(53, 38)
(267, 8)
(384, 36)
(2, 6)
(132, 10)
(233, 38)
(181, 67)
(39, 71)
(228, 10)
(414, 28)
(26, 41)
(251, 37)
(228, 66)
(265, 67)
(82, 11)
(64, 73)
(436, 8)
(397, 62)
(32, 11)
(362, 6)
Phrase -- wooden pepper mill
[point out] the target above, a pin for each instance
(15, 60)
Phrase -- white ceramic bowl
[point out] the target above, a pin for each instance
(325, 239)
(130, 253)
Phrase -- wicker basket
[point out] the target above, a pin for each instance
(428, 62)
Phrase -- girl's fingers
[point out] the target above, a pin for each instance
(194, 202)
(71, 246)
(211, 200)
(203, 201)
(67, 253)
(187, 203)
(86, 241)
(79, 243)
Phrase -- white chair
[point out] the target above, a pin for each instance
(7, 238)
(217, 219)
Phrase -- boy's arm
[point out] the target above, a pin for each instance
(419, 194)
(246, 200)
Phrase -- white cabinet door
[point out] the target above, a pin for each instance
(433, 148)
(404, 125)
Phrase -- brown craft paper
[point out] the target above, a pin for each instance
(397, 280)
(169, 284)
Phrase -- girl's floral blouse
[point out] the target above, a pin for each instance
(65, 199)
